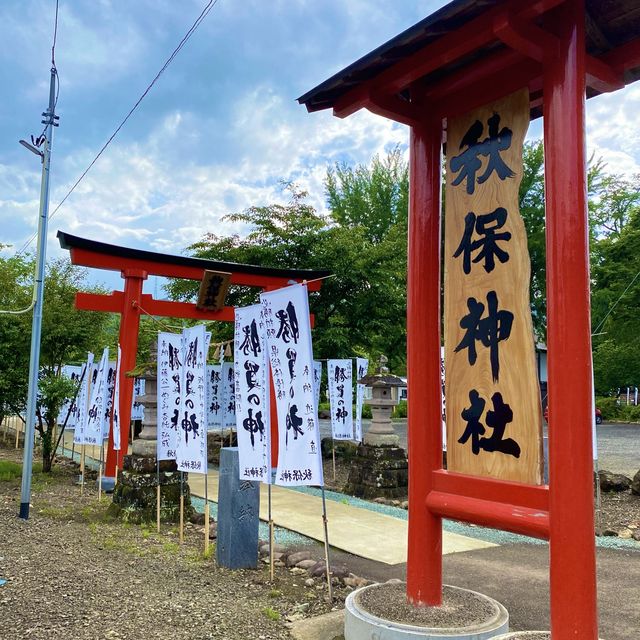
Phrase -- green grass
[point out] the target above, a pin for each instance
(275, 593)
(9, 470)
(270, 613)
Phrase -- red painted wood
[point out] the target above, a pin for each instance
(526, 73)
(449, 48)
(499, 515)
(499, 491)
(169, 309)
(108, 303)
(625, 57)
(572, 540)
(129, 326)
(424, 561)
(87, 258)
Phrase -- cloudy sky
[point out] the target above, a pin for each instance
(221, 127)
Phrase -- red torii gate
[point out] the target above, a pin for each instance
(135, 266)
(464, 56)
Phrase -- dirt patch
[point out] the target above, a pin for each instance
(459, 608)
(72, 571)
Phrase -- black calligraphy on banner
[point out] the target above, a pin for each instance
(341, 398)
(469, 162)
(252, 394)
(191, 449)
(286, 317)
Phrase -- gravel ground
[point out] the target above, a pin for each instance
(459, 608)
(73, 573)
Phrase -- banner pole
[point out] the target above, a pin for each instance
(181, 534)
(158, 497)
(333, 455)
(82, 470)
(326, 544)
(100, 469)
(271, 539)
(206, 511)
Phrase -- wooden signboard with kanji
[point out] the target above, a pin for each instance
(494, 415)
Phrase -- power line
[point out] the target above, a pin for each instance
(615, 304)
(210, 4)
(55, 37)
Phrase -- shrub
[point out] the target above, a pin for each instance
(609, 407)
(400, 410)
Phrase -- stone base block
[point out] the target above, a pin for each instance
(378, 472)
(134, 497)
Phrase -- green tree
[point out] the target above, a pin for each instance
(67, 335)
(349, 316)
(375, 196)
(616, 306)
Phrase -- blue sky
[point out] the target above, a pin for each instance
(221, 127)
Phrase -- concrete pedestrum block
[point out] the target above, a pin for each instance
(359, 624)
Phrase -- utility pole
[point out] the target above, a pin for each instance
(36, 327)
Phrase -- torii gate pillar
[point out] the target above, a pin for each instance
(129, 326)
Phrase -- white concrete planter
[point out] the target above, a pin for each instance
(525, 635)
(361, 625)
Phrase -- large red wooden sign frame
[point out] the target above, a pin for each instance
(135, 266)
(465, 56)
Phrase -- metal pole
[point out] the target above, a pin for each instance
(36, 327)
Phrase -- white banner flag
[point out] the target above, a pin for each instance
(115, 422)
(78, 436)
(340, 374)
(110, 377)
(228, 395)
(170, 360)
(252, 398)
(95, 414)
(137, 410)
(286, 316)
(214, 395)
(72, 372)
(317, 379)
(362, 366)
(191, 450)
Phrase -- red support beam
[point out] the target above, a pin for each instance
(169, 309)
(108, 303)
(530, 496)
(498, 515)
(424, 561)
(572, 540)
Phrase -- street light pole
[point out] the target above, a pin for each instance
(36, 327)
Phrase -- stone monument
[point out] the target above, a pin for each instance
(238, 515)
(380, 468)
(135, 493)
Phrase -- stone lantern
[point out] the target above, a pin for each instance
(135, 494)
(382, 383)
(380, 468)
